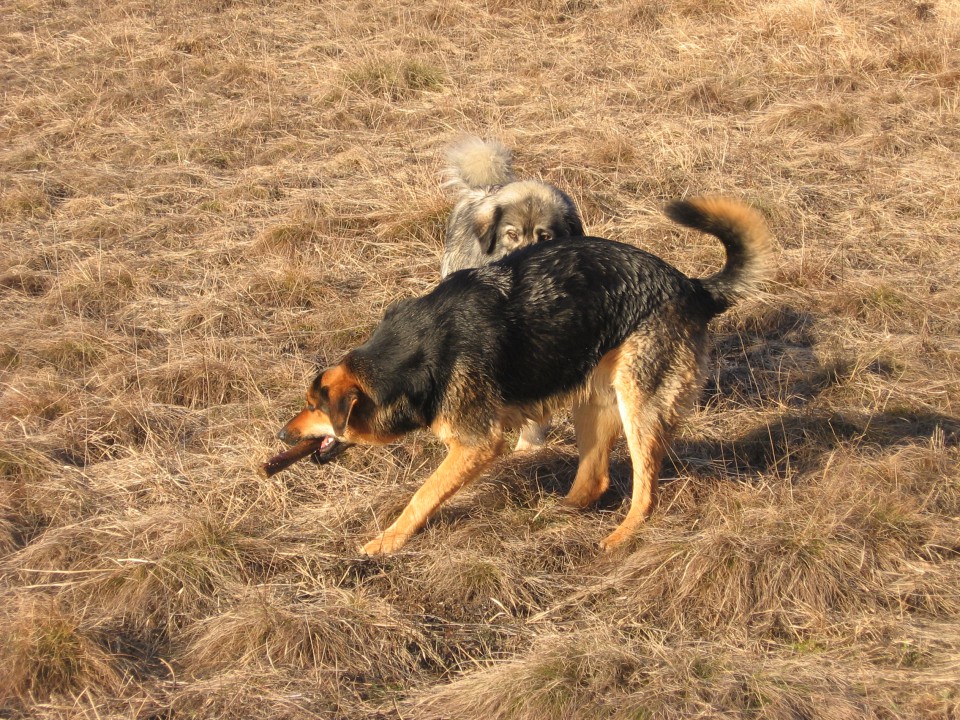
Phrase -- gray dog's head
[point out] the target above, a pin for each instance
(523, 213)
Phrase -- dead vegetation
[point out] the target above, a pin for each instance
(200, 200)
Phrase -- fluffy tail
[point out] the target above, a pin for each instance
(475, 164)
(744, 234)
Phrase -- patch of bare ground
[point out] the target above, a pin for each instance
(200, 201)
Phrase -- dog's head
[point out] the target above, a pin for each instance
(339, 411)
(525, 213)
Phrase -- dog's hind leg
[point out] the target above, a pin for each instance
(655, 384)
(648, 445)
(598, 427)
(462, 464)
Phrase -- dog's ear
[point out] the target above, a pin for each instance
(341, 406)
(340, 391)
(487, 230)
(574, 226)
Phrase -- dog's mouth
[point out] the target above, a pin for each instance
(327, 448)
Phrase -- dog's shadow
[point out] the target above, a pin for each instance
(770, 360)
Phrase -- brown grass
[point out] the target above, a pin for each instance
(200, 201)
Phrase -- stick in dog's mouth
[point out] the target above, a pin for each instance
(323, 449)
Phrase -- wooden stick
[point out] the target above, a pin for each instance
(282, 461)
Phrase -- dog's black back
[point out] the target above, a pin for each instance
(570, 304)
(526, 328)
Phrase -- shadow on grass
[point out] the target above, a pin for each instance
(772, 359)
(801, 441)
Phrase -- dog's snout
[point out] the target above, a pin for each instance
(285, 436)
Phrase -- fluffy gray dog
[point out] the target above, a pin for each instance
(495, 213)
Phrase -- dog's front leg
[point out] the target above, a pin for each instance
(462, 464)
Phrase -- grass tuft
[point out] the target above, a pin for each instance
(50, 654)
(264, 632)
(393, 79)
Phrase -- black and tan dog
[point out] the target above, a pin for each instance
(614, 329)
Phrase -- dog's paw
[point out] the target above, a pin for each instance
(616, 538)
(532, 437)
(387, 542)
(578, 501)
(525, 444)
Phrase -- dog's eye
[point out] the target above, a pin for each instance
(543, 236)
(512, 234)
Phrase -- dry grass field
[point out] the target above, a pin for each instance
(201, 200)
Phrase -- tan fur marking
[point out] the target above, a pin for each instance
(650, 407)
(607, 367)
(308, 423)
(338, 379)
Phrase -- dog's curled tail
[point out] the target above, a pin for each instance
(474, 164)
(744, 234)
